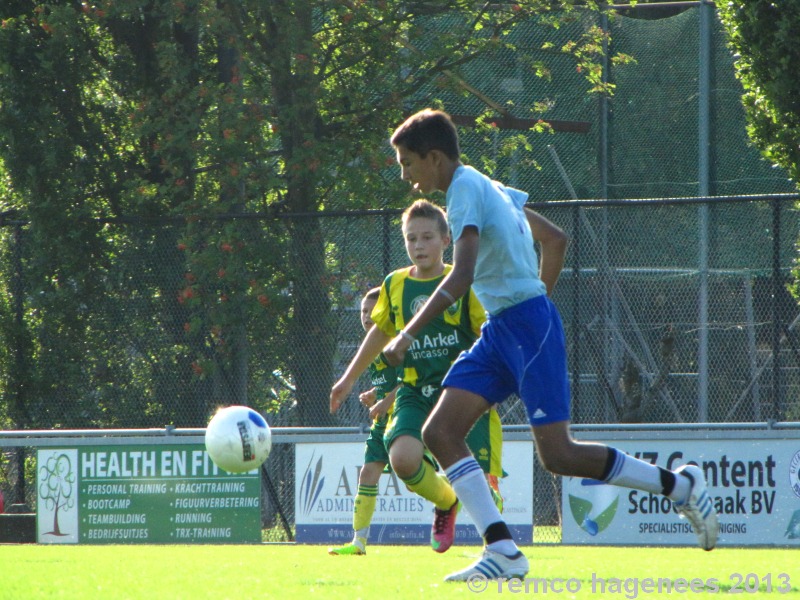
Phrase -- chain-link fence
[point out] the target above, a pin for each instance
(655, 332)
(674, 126)
(675, 311)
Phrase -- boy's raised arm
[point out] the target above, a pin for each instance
(370, 347)
(553, 242)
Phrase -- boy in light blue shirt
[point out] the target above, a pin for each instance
(506, 268)
(521, 349)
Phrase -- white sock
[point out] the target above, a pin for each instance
(682, 489)
(631, 472)
(504, 547)
(470, 486)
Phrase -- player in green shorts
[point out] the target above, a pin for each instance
(402, 293)
(379, 399)
(485, 440)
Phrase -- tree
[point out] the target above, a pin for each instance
(763, 35)
(193, 115)
(57, 487)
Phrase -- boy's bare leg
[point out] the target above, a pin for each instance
(406, 458)
(444, 434)
(371, 473)
(686, 486)
(405, 455)
(559, 453)
(446, 429)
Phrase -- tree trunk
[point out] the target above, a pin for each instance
(295, 92)
(311, 329)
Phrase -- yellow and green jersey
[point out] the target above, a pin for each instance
(442, 340)
(384, 379)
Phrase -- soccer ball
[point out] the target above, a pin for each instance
(238, 439)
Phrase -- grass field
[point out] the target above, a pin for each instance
(387, 572)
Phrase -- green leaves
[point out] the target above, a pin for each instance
(763, 36)
(136, 136)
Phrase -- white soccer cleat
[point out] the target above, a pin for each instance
(698, 509)
(493, 565)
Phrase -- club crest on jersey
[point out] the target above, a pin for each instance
(418, 302)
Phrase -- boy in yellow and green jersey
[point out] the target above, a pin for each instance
(402, 293)
(379, 399)
(430, 357)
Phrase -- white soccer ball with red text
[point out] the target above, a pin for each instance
(238, 439)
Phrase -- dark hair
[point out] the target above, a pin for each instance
(424, 209)
(373, 294)
(428, 130)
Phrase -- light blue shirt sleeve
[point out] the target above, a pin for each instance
(506, 268)
(468, 211)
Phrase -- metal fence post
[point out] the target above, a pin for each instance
(576, 326)
(703, 175)
(776, 325)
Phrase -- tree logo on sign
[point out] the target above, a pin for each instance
(56, 488)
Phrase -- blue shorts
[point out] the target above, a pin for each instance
(520, 351)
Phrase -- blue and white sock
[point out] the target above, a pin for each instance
(626, 471)
(469, 483)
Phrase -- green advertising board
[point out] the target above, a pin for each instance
(143, 494)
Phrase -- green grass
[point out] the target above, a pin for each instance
(288, 571)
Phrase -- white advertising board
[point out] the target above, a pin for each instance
(326, 480)
(754, 483)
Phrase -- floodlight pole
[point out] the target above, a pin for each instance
(703, 163)
(610, 303)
